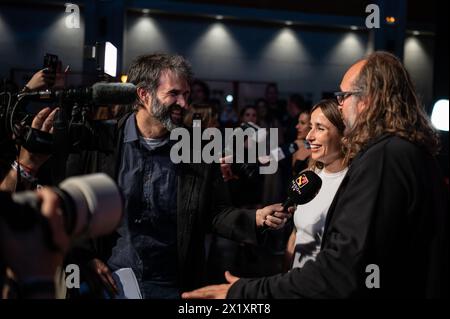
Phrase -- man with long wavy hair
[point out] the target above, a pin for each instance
(386, 233)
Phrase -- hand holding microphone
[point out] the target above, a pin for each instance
(273, 216)
(302, 189)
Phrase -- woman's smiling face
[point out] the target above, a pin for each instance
(324, 139)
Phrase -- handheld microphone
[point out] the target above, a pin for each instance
(99, 94)
(302, 189)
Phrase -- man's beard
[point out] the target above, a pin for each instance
(164, 114)
(349, 120)
(348, 127)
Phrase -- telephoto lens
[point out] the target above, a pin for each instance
(91, 205)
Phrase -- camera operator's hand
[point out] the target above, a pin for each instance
(274, 216)
(42, 121)
(41, 80)
(225, 168)
(50, 209)
(101, 270)
(30, 162)
(27, 253)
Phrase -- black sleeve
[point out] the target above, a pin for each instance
(6, 203)
(230, 222)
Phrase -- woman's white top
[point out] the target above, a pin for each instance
(310, 218)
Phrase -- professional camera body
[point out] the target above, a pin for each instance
(91, 205)
(73, 129)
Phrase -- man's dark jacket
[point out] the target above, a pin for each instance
(202, 205)
(388, 224)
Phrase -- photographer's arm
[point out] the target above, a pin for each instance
(40, 80)
(29, 163)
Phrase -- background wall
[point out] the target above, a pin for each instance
(308, 62)
(419, 52)
(28, 32)
(304, 61)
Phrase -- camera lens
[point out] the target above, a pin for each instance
(94, 205)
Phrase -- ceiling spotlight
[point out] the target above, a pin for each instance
(145, 11)
(219, 17)
(390, 20)
(288, 23)
(229, 98)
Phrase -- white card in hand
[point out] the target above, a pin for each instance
(127, 284)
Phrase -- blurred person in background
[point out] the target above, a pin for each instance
(249, 114)
(296, 105)
(301, 156)
(200, 92)
(276, 106)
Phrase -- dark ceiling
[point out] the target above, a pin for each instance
(419, 11)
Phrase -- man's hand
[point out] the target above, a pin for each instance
(274, 216)
(50, 209)
(41, 80)
(104, 274)
(212, 292)
(42, 121)
(225, 168)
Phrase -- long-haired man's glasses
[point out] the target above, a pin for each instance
(341, 96)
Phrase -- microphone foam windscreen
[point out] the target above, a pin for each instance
(113, 93)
